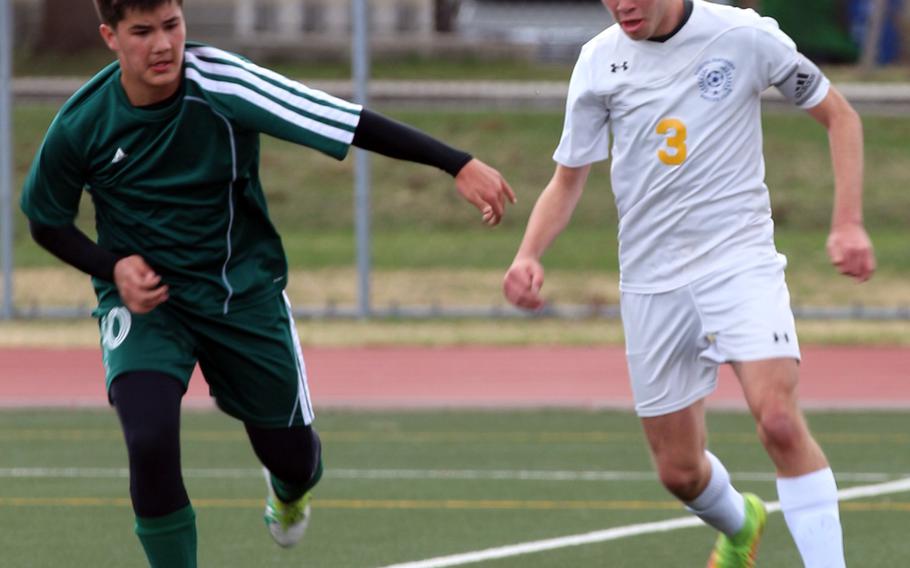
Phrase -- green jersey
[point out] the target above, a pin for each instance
(178, 183)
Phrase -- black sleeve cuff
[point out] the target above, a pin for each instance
(73, 247)
(385, 136)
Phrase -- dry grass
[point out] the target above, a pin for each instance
(446, 287)
(341, 333)
(56, 287)
(51, 287)
(882, 290)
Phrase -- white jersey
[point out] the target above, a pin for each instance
(685, 119)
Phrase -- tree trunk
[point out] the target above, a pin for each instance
(871, 43)
(69, 26)
(445, 13)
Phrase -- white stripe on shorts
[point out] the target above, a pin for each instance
(303, 393)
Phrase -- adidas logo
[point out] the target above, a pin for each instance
(804, 82)
(119, 156)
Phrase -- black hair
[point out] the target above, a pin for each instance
(112, 11)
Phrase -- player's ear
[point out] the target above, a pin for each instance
(109, 36)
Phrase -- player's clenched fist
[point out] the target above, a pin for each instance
(851, 251)
(139, 285)
(522, 283)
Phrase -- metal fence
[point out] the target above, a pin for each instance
(6, 159)
(553, 31)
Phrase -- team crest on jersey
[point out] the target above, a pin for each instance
(715, 79)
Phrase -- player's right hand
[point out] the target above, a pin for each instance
(522, 283)
(139, 285)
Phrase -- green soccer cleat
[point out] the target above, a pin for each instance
(286, 521)
(739, 550)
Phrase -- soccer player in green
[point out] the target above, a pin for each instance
(188, 267)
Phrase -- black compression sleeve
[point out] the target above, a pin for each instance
(385, 136)
(148, 404)
(73, 247)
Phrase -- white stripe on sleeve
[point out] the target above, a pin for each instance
(253, 69)
(268, 105)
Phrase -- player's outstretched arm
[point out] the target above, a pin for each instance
(849, 246)
(478, 183)
(552, 212)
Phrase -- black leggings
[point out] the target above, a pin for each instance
(148, 404)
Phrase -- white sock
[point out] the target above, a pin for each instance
(719, 505)
(809, 504)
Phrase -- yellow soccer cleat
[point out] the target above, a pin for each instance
(286, 521)
(739, 550)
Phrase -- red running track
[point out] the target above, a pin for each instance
(472, 377)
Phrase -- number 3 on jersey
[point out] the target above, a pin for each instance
(676, 141)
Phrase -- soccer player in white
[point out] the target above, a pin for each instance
(676, 85)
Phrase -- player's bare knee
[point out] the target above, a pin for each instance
(780, 430)
(683, 481)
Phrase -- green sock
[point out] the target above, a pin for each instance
(288, 493)
(169, 541)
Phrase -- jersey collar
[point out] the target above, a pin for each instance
(162, 110)
(671, 40)
(687, 12)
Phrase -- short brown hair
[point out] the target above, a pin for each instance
(112, 11)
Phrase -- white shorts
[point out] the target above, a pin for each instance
(676, 340)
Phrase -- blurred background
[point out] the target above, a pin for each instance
(826, 30)
(466, 465)
(489, 76)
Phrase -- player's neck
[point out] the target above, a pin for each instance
(143, 95)
(678, 13)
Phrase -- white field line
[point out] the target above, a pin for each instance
(417, 474)
(617, 533)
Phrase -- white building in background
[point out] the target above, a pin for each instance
(275, 19)
(551, 29)
(536, 28)
(539, 29)
(292, 18)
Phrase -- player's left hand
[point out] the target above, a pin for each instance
(850, 250)
(486, 189)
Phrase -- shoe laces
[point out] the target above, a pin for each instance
(290, 513)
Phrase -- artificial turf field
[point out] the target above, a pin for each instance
(403, 487)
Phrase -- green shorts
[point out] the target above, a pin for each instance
(250, 358)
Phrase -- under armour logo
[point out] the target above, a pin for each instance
(778, 337)
(616, 66)
(119, 156)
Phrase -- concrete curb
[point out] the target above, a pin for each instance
(873, 98)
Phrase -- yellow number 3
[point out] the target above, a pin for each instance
(676, 141)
